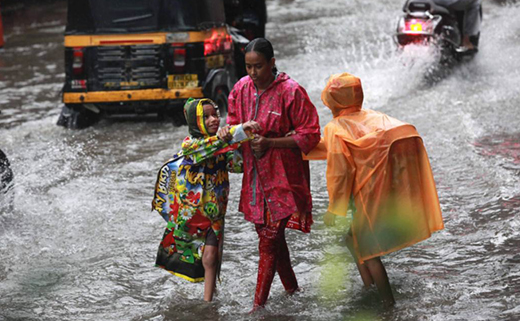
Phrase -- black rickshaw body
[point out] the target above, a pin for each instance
(146, 56)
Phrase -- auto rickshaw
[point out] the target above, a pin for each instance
(135, 57)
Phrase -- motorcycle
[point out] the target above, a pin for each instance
(425, 22)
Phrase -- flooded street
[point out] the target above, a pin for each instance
(81, 241)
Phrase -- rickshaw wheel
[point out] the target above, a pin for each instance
(75, 116)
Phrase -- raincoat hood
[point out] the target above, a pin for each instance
(194, 114)
(343, 94)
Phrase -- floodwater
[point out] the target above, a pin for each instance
(80, 243)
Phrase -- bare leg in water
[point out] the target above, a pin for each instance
(362, 268)
(210, 262)
(373, 271)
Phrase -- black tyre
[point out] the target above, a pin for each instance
(77, 117)
(220, 97)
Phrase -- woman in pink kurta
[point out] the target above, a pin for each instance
(275, 186)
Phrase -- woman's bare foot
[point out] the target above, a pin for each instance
(255, 309)
(291, 292)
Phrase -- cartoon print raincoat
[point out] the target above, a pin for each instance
(280, 179)
(379, 165)
(191, 194)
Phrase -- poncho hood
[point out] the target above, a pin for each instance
(343, 94)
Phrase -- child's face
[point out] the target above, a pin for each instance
(211, 119)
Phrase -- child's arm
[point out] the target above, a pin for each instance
(317, 153)
(234, 158)
(200, 149)
(225, 134)
(341, 171)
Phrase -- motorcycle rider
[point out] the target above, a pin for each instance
(471, 25)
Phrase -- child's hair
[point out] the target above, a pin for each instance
(263, 47)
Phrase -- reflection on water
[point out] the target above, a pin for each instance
(81, 241)
(506, 147)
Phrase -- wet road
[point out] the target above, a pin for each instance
(81, 241)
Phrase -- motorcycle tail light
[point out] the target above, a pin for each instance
(210, 45)
(415, 26)
(217, 44)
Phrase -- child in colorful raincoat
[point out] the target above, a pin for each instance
(378, 168)
(191, 194)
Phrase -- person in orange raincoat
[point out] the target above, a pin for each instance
(378, 168)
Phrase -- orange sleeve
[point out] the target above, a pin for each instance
(340, 177)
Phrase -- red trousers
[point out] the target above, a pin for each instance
(274, 257)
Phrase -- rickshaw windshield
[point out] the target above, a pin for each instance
(137, 16)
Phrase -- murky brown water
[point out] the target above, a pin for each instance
(81, 241)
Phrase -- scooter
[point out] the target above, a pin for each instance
(425, 22)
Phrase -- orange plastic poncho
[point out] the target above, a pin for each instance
(382, 164)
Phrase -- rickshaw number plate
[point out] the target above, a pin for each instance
(183, 81)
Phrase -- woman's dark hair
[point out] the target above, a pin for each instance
(263, 47)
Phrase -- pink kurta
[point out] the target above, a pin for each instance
(281, 177)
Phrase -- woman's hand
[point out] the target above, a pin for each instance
(224, 134)
(260, 145)
(251, 126)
